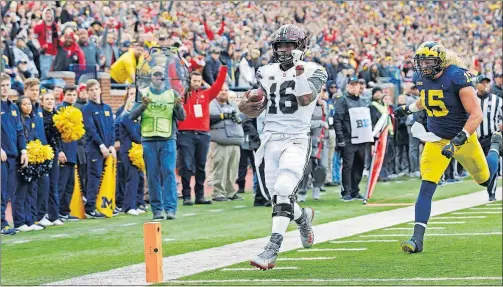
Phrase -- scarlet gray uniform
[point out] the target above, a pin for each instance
(285, 141)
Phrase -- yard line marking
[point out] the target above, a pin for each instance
(21, 241)
(411, 228)
(363, 241)
(188, 214)
(435, 234)
(331, 249)
(458, 217)
(97, 229)
(169, 239)
(304, 258)
(486, 208)
(239, 206)
(478, 212)
(336, 280)
(60, 235)
(215, 210)
(129, 224)
(257, 269)
(442, 222)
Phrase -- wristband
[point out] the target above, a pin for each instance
(102, 146)
(413, 107)
(302, 86)
(467, 133)
(221, 116)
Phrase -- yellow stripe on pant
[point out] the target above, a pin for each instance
(105, 201)
(470, 156)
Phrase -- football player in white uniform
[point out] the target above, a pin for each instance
(291, 87)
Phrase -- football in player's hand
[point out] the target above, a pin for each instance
(255, 95)
(299, 70)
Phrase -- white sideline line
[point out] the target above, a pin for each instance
(98, 229)
(215, 210)
(188, 214)
(363, 241)
(338, 280)
(478, 212)
(486, 208)
(60, 235)
(493, 204)
(330, 249)
(458, 217)
(442, 222)
(411, 228)
(435, 234)
(304, 258)
(21, 241)
(256, 269)
(187, 264)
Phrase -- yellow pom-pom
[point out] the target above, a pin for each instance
(136, 156)
(70, 123)
(39, 153)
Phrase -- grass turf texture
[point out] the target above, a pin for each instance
(91, 246)
(443, 257)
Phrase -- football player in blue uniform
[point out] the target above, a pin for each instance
(454, 113)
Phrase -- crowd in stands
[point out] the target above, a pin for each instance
(366, 45)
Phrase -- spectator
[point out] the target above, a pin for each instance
(67, 158)
(226, 137)
(414, 143)
(210, 71)
(497, 87)
(23, 54)
(100, 138)
(47, 35)
(331, 180)
(110, 45)
(123, 71)
(194, 138)
(161, 109)
(69, 52)
(246, 71)
(13, 150)
(401, 143)
(91, 52)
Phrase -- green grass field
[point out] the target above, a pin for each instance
(477, 253)
(89, 246)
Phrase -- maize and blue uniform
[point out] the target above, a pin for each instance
(66, 182)
(446, 117)
(120, 183)
(24, 200)
(13, 141)
(129, 133)
(99, 125)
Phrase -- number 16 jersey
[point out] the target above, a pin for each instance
(440, 97)
(283, 113)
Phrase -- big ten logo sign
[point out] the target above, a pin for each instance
(106, 203)
(362, 123)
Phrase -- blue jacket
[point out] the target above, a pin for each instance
(38, 115)
(13, 138)
(129, 132)
(70, 149)
(30, 128)
(99, 125)
(118, 119)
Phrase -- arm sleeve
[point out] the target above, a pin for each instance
(137, 110)
(215, 119)
(208, 74)
(208, 31)
(219, 82)
(91, 127)
(317, 80)
(21, 139)
(130, 67)
(222, 28)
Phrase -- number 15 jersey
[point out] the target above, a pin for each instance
(440, 97)
(283, 113)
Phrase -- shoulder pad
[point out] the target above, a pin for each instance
(459, 76)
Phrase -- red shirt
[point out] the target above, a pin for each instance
(44, 33)
(200, 101)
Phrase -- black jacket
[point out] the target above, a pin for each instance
(210, 72)
(498, 91)
(342, 121)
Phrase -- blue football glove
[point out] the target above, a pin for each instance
(450, 149)
(402, 111)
